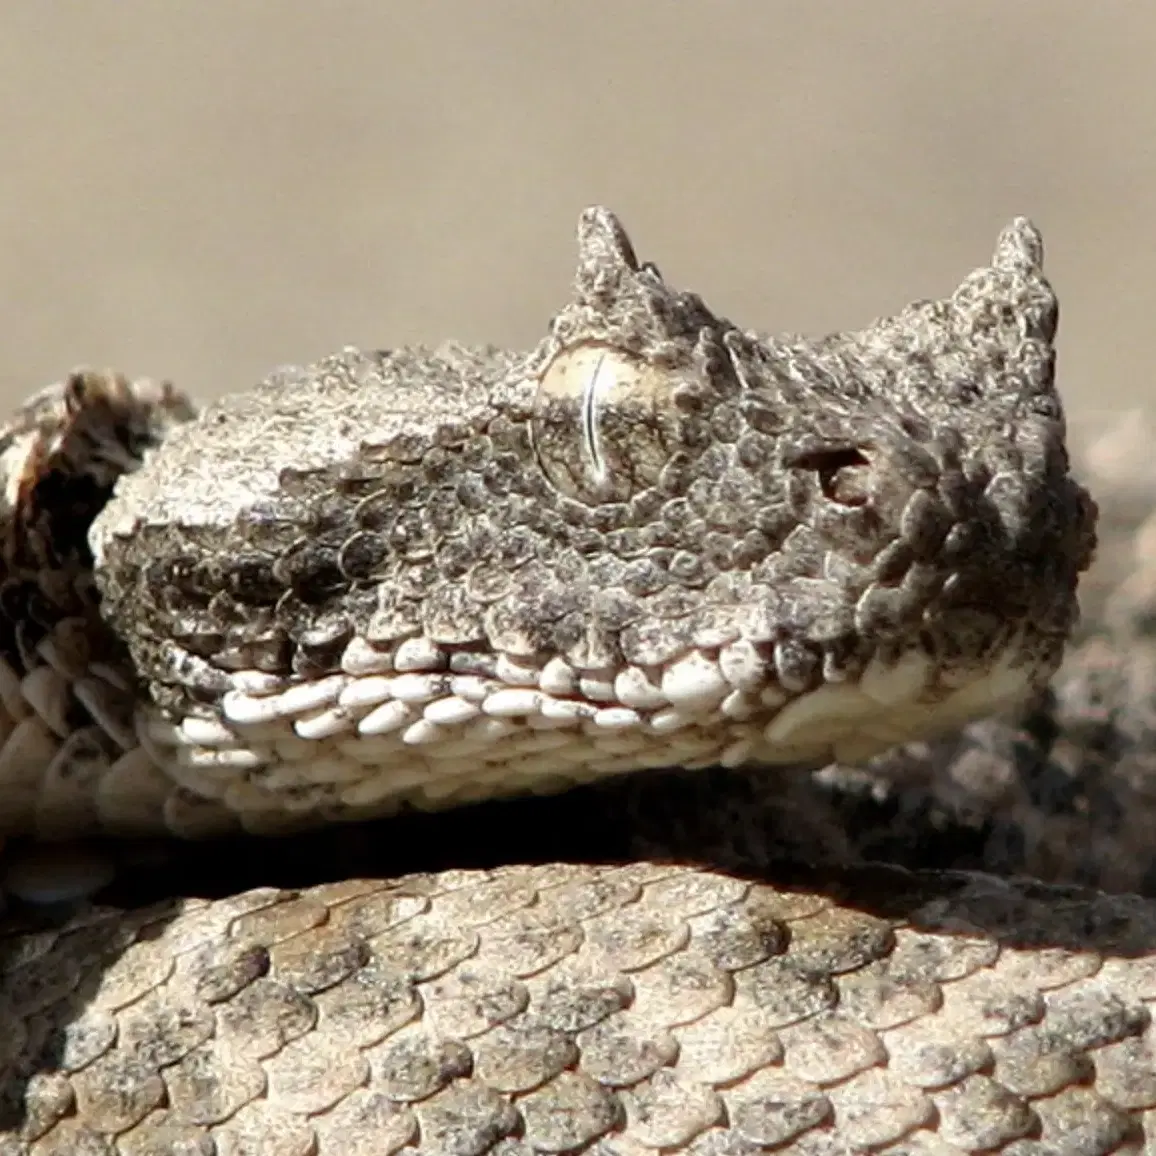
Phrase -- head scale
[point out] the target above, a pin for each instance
(655, 539)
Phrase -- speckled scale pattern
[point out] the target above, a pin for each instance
(656, 536)
(572, 1008)
(563, 1006)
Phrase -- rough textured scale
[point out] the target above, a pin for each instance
(624, 1009)
(656, 539)
(867, 538)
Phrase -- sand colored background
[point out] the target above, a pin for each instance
(204, 189)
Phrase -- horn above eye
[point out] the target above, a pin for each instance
(604, 424)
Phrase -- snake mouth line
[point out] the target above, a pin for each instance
(355, 745)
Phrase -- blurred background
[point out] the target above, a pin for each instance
(204, 189)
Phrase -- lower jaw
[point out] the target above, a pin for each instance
(905, 702)
(849, 722)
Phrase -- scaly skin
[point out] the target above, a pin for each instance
(554, 1007)
(655, 540)
(638, 965)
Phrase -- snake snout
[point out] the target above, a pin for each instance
(872, 501)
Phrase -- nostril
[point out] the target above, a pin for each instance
(844, 473)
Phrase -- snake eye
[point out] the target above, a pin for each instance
(844, 473)
(604, 424)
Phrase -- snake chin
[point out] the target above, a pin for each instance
(895, 702)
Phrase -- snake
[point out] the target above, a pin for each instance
(659, 741)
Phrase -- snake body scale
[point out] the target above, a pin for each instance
(392, 583)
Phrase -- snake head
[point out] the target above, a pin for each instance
(654, 539)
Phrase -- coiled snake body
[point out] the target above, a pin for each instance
(393, 583)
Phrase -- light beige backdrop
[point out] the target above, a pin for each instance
(204, 189)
